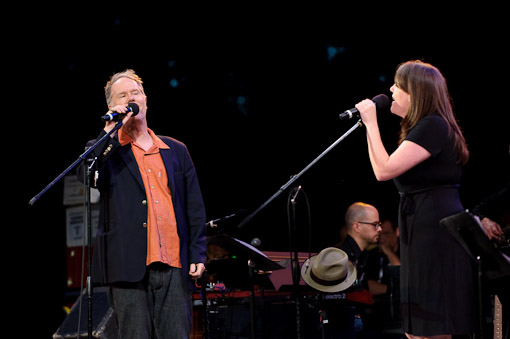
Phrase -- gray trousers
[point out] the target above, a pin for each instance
(157, 307)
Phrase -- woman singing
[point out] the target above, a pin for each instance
(437, 275)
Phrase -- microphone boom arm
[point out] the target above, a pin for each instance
(297, 176)
(82, 157)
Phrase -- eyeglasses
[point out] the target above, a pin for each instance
(375, 224)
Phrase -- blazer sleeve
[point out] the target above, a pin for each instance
(195, 211)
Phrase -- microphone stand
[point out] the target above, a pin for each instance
(294, 259)
(88, 225)
(83, 157)
(297, 176)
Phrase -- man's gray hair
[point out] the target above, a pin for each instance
(128, 73)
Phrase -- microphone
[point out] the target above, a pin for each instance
(294, 193)
(212, 223)
(381, 101)
(114, 116)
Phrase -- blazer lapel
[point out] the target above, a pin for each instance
(129, 158)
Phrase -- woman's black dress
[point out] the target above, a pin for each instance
(437, 274)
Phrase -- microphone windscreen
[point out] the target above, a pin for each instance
(134, 108)
(382, 102)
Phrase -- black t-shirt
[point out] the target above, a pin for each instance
(432, 133)
(357, 257)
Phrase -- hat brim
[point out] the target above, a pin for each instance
(348, 281)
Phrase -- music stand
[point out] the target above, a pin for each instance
(491, 263)
(467, 231)
(255, 260)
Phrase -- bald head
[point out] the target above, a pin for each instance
(358, 211)
(361, 221)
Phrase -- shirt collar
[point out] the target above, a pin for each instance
(125, 139)
(351, 248)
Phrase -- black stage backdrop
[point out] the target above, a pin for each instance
(254, 93)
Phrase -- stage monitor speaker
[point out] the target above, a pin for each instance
(104, 323)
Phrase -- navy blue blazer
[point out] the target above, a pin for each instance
(120, 250)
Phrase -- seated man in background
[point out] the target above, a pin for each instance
(383, 280)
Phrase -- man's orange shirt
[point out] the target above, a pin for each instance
(162, 237)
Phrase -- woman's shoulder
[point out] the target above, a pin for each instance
(433, 119)
(433, 124)
(430, 132)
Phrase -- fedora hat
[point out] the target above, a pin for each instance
(329, 271)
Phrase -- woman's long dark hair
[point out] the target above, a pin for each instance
(429, 95)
